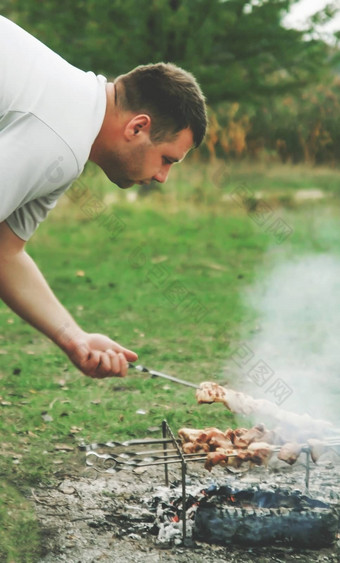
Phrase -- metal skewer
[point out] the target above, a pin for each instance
(169, 456)
(156, 460)
(154, 373)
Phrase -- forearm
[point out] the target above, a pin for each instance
(24, 289)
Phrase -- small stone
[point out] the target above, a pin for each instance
(63, 448)
(134, 537)
(139, 470)
(66, 489)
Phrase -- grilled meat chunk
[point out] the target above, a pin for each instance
(316, 448)
(290, 452)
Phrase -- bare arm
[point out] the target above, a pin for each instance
(26, 292)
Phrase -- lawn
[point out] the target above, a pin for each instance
(163, 273)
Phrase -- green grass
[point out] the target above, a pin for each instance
(164, 275)
(19, 531)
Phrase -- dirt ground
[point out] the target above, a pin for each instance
(89, 517)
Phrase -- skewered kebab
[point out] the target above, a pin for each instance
(240, 403)
(230, 448)
(259, 453)
(256, 445)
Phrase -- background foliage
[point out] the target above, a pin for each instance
(272, 91)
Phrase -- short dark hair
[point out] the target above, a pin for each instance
(170, 95)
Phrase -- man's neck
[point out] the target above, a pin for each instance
(110, 106)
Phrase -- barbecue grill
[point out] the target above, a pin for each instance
(245, 517)
(115, 456)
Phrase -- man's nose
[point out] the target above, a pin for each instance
(162, 175)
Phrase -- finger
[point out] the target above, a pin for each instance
(114, 362)
(119, 363)
(91, 364)
(104, 368)
(123, 364)
(105, 364)
(129, 354)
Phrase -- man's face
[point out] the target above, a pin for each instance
(141, 161)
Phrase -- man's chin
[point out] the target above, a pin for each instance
(129, 183)
(124, 184)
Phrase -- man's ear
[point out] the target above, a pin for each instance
(140, 123)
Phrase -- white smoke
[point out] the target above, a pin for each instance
(294, 358)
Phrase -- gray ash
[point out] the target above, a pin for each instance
(258, 515)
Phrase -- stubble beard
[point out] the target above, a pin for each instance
(124, 170)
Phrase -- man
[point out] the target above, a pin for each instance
(53, 118)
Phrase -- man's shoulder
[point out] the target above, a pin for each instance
(44, 161)
(34, 79)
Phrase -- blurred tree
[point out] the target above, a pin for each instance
(270, 89)
(238, 49)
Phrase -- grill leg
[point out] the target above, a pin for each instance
(166, 472)
(184, 497)
(307, 476)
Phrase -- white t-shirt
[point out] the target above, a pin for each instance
(50, 114)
